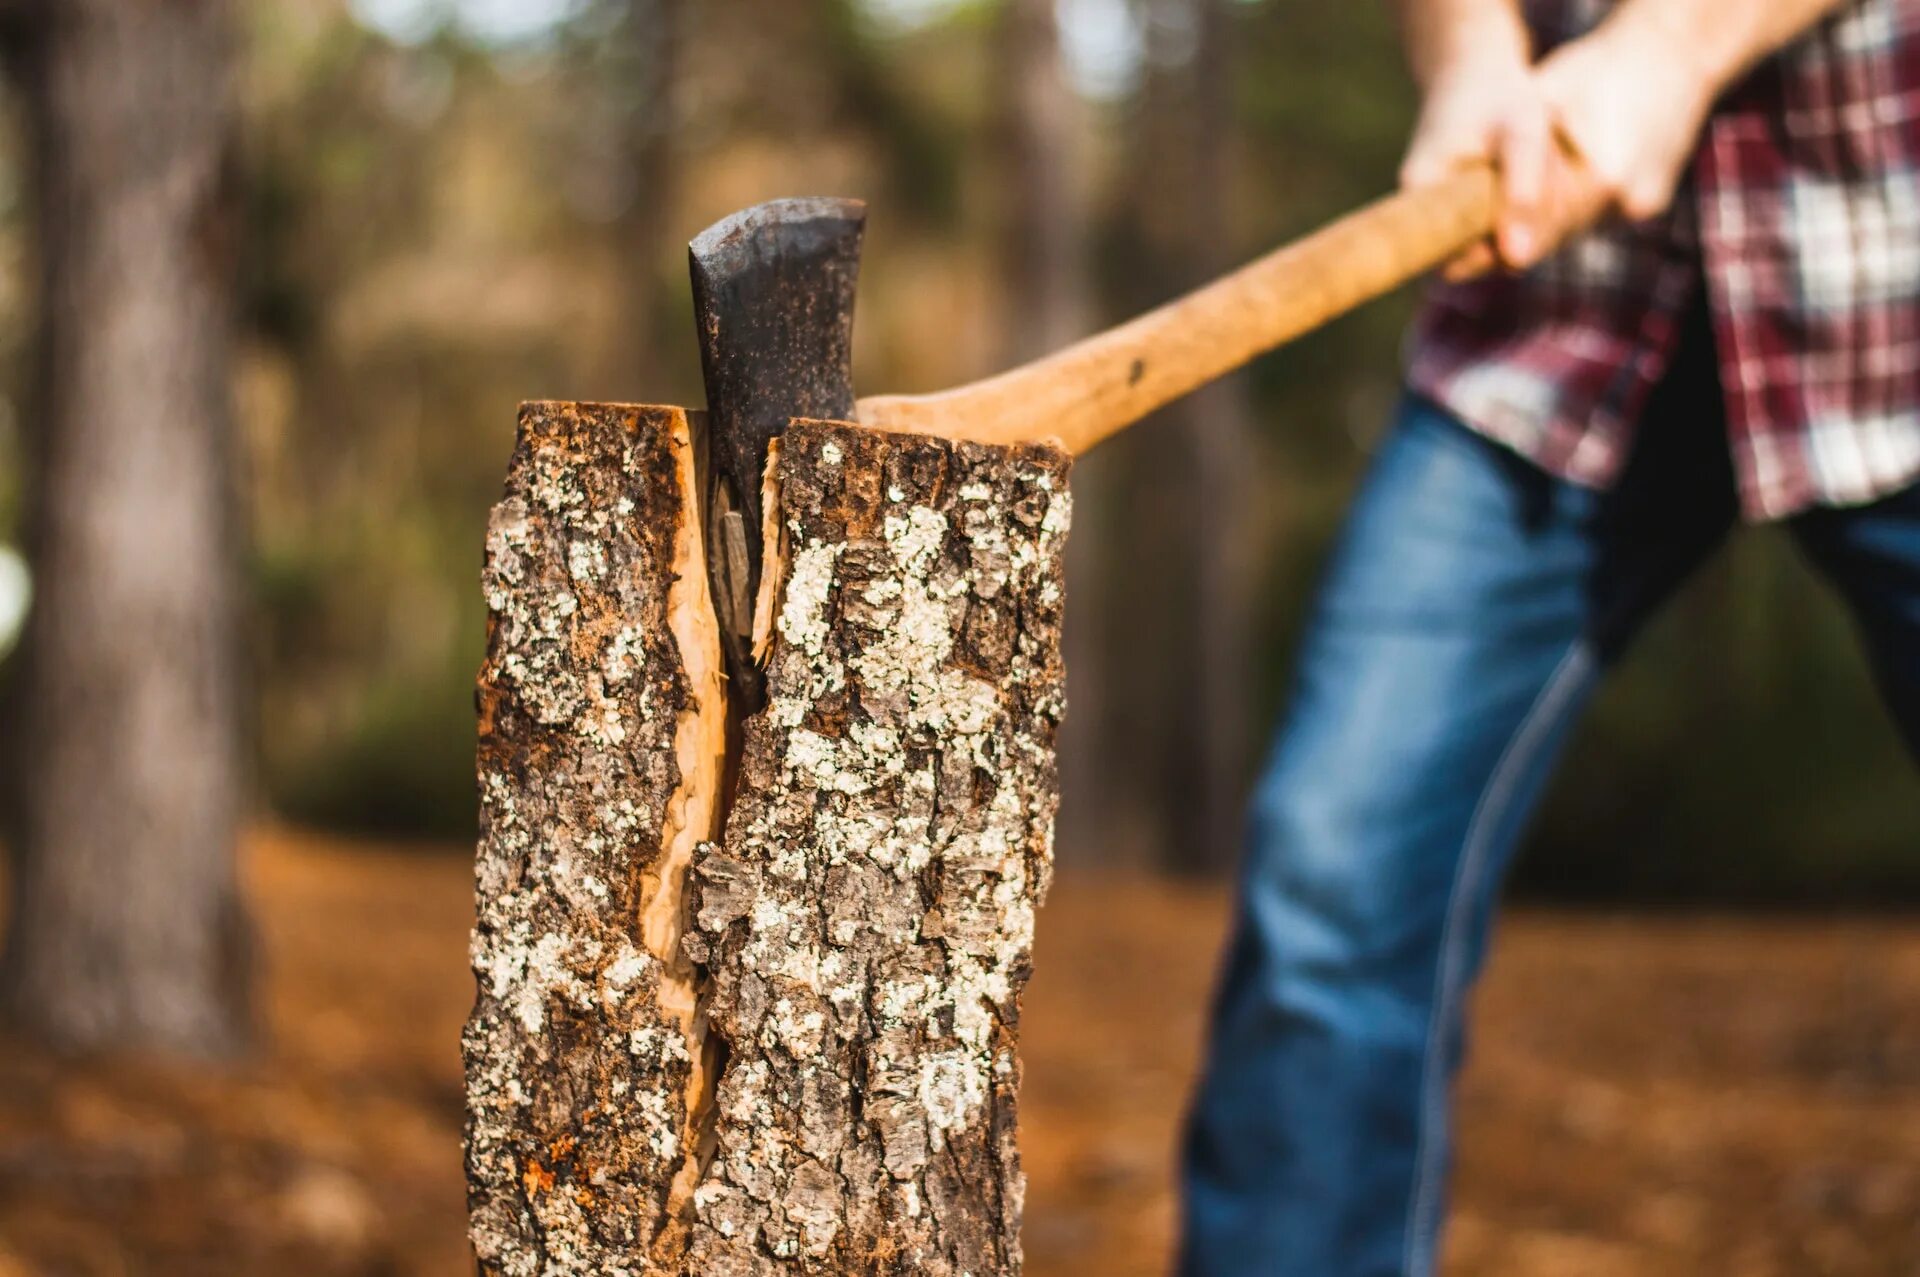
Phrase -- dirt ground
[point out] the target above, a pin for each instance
(1647, 1096)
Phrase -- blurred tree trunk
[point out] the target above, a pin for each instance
(1191, 473)
(1043, 252)
(127, 928)
(1218, 422)
(1043, 259)
(646, 61)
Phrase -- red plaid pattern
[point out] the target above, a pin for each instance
(1801, 218)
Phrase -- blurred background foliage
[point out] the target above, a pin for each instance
(453, 207)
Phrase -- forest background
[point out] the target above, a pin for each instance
(446, 207)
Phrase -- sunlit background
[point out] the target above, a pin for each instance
(454, 206)
(449, 206)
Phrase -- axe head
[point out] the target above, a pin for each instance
(773, 294)
(773, 297)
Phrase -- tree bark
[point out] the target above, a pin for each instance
(868, 922)
(127, 926)
(809, 1066)
(602, 733)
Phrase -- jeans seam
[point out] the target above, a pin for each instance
(1513, 761)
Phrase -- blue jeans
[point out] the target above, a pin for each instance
(1472, 605)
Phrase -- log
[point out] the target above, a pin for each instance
(773, 1031)
(602, 735)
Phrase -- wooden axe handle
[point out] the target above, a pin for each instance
(1097, 387)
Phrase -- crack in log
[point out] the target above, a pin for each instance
(773, 559)
(695, 815)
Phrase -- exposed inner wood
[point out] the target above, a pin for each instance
(694, 815)
(602, 716)
(773, 558)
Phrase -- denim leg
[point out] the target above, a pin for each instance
(1872, 556)
(1467, 612)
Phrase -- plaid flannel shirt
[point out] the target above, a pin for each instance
(1801, 218)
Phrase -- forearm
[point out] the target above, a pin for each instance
(1723, 39)
(1440, 34)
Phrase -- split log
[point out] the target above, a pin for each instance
(602, 731)
(806, 1063)
(866, 926)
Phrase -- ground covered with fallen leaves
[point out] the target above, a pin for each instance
(1648, 1096)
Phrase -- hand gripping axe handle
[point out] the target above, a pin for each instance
(773, 296)
(1097, 387)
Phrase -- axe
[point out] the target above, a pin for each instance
(773, 295)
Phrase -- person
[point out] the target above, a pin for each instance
(1701, 307)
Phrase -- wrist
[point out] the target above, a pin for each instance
(1695, 56)
(1449, 43)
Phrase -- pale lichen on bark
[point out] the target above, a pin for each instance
(600, 729)
(791, 1050)
(868, 921)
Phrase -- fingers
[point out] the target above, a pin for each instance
(1517, 131)
(1479, 260)
(1416, 169)
(1648, 194)
(1523, 166)
(1459, 111)
(1459, 124)
(1594, 129)
(1552, 192)
(1635, 106)
(1585, 196)
(1448, 135)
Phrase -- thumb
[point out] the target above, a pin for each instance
(1430, 157)
(1524, 136)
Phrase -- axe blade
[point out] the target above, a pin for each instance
(773, 290)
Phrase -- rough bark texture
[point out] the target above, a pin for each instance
(859, 937)
(867, 924)
(601, 732)
(127, 926)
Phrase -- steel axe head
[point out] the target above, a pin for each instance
(773, 293)
(773, 296)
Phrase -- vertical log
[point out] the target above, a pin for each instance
(602, 729)
(810, 1066)
(867, 924)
